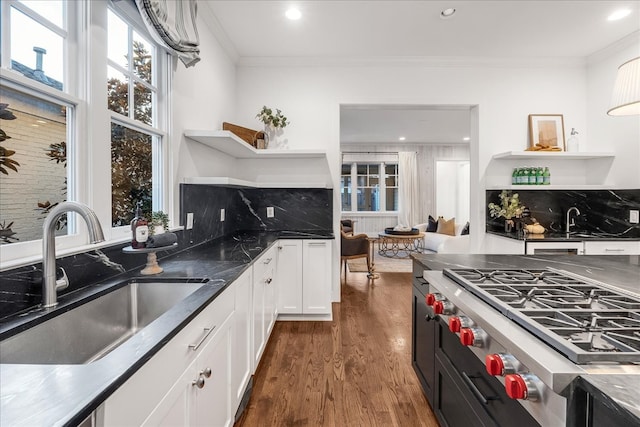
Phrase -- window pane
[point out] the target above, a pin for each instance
(346, 169)
(44, 65)
(142, 58)
(373, 169)
(50, 9)
(131, 173)
(362, 169)
(345, 192)
(368, 199)
(391, 169)
(392, 199)
(33, 160)
(142, 98)
(118, 43)
(391, 181)
(117, 92)
(374, 181)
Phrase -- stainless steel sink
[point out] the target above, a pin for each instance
(90, 331)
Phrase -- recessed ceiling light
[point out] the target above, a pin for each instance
(293, 14)
(402, 138)
(619, 14)
(447, 13)
(466, 138)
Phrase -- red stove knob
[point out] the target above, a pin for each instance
(495, 365)
(431, 298)
(522, 386)
(454, 324)
(472, 336)
(443, 307)
(503, 364)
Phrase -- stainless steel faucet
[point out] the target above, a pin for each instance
(571, 222)
(50, 285)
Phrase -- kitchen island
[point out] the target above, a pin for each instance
(595, 387)
(66, 394)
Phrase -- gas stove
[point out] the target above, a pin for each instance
(537, 330)
(585, 321)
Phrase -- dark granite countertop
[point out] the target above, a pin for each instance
(621, 390)
(66, 394)
(553, 236)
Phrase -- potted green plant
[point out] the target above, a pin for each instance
(508, 209)
(273, 124)
(159, 223)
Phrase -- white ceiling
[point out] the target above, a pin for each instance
(352, 30)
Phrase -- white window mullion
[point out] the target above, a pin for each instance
(383, 188)
(354, 187)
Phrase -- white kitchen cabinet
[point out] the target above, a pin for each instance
(494, 244)
(611, 247)
(264, 303)
(241, 337)
(304, 282)
(316, 277)
(141, 395)
(289, 272)
(201, 396)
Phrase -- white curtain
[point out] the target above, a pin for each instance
(408, 191)
(172, 23)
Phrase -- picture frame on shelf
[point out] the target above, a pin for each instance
(546, 131)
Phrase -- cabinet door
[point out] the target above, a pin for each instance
(241, 338)
(289, 276)
(210, 405)
(187, 404)
(611, 248)
(316, 277)
(258, 321)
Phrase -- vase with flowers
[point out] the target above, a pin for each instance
(273, 125)
(509, 209)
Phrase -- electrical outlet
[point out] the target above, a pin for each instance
(270, 213)
(221, 215)
(189, 225)
(634, 216)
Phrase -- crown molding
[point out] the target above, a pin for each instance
(211, 22)
(630, 40)
(418, 61)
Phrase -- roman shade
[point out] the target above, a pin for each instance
(172, 24)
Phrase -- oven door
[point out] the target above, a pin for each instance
(554, 248)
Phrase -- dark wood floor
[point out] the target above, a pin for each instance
(353, 371)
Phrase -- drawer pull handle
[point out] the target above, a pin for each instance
(199, 382)
(475, 390)
(269, 280)
(207, 332)
(317, 243)
(267, 261)
(614, 249)
(206, 372)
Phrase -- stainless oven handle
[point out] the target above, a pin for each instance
(474, 389)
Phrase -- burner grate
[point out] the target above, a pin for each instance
(582, 320)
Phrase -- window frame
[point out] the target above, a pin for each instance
(161, 77)
(382, 186)
(85, 88)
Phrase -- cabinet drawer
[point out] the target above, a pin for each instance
(612, 248)
(264, 263)
(482, 390)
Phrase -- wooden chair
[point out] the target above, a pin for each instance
(347, 225)
(352, 247)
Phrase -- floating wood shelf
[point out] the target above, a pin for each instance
(548, 155)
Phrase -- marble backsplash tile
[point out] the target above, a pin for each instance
(245, 209)
(600, 210)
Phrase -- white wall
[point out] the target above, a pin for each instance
(620, 134)
(204, 96)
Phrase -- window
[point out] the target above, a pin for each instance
(371, 187)
(136, 137)
(36, 121)
(38, 40)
